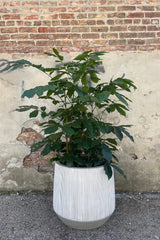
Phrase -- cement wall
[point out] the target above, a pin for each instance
(140, 160)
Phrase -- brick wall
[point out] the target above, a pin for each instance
(38, 25)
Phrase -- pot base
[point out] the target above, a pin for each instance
(83, 225)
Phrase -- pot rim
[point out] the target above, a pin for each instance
(84, 168)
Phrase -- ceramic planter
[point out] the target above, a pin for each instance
(83, 198)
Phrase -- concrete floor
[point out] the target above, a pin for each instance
(30, 217)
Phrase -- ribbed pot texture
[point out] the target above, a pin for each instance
(83, 198)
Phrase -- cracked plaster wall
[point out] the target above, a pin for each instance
(140, 160)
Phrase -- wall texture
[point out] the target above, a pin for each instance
(38, 25)
(130, 31)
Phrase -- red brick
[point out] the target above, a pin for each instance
(74, 9)
(74, 36)
(137, 28)
(20, 10)
(99, 29)
(58, 36)
(19, 23)
(19, 36)
(46, 29)
(11, 4)
(82, 15)
(96, 15)
(126, 8)
(118, 28)
(63, 29)
(89, 9)
(135, 1)
(153, 28)
(5, 10)
(48, 16)
(107, 9)
(87, 22)
(136, 21)
(136, 41)
(155, 21)
(80, 29)
(146, 8)
(81, 43)
(128, 35)
(4, 37)
(90, 36)
(56, 23)
(37, 23)
(99, 42)
(97, 2)
(146, 21)
(152, 14)
(127, 21)
(117, 42)
(153, 41)
(10, 23)
(28, 29)
(28, 23)
(63, 42)
(146, 35)
(116, 15)
(39, 36)
(48, 3)
(30, 17)
(30, 3)
(67, 16)
(136, 15)
(9, 30)
(63, 2)
(44, 43)
(147, 48)
(8, 43)
(110, 22)
(11, 16)
(75, 22)
(25, 43)
(46, 23)
(2, 23)
(119, 21)
(77, 2)
(109, 35)
(116, 2)
(99, 22)
(152, 1)
(57, 9)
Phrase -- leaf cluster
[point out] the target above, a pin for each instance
(75, 129)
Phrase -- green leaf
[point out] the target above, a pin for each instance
(68, 130)
(47, 149)
(38, 145)
(82, 56)
(118, 132)
(26, 108)
(57, 54)
(51, 129)
(119, 170)
(106, 152)
(108, 170)
(103, 96)
(121, 98)
(43, 108)
(33, 114)
(94, 77)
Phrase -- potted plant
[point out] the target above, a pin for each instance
(79, 131)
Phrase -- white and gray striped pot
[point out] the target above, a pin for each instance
(83, 198)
